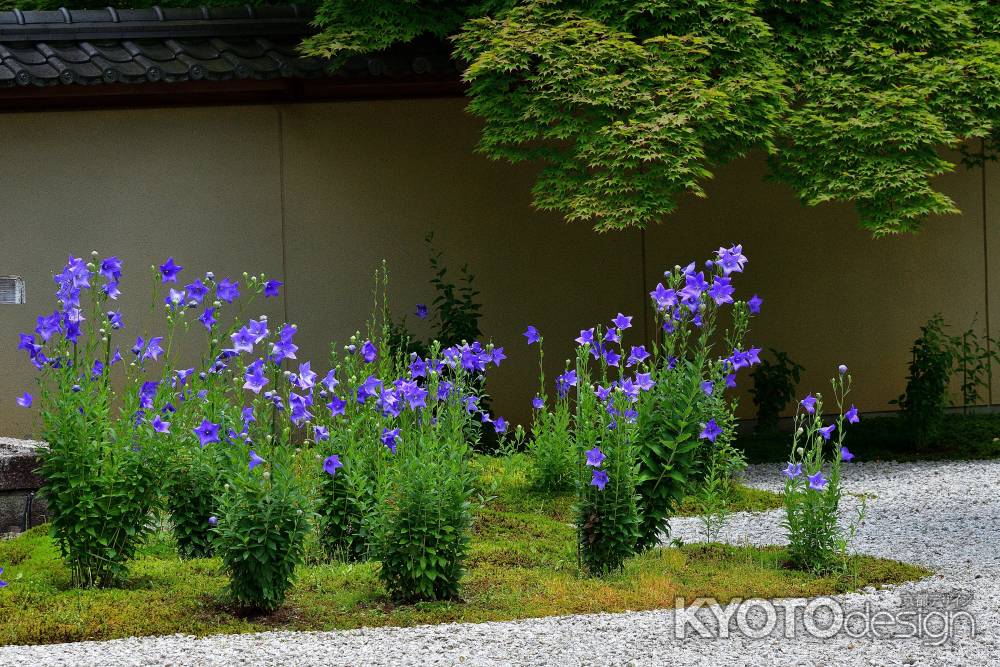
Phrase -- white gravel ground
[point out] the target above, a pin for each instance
(945, 516)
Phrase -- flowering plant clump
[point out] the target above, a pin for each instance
(686, 422)
(419, 530)
(812, 481)
(554, 465)
(103, 465)
(239, 447)
(660, 418)
(607, 510)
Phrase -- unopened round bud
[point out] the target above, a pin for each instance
(842, 368)
(800, 451)
(800, 431)
(217, 303)
(267, 475)
(94, 253)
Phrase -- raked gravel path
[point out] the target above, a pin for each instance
(945, 516)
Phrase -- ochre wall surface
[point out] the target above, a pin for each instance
(319, 194)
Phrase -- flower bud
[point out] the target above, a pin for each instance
(842, 368)
(94, 253)
(267, 475)
(800, 451)
(799, 431)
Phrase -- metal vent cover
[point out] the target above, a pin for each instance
(11, 289)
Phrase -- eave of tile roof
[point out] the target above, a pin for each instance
(171, 45)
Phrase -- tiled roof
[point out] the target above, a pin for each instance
(71, 47)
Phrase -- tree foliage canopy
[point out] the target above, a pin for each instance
(628, 103)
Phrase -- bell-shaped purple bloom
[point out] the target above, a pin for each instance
(532, 335)
(213, 521)
(421, 311)
(370, 388)
(255, 378)
(710, 431)
(497, 355)
(111, 269)
(254, 460)
(329, 381)
(817, 481)
(159, 425)
(306, 378)
(207, 432)
(852, 415)
(208, 318)
(321, 433)
(3, 584)
(336, 405)
(599, 479)
(808, 404)
(611, 358)
(732, 259)
(389, 438)
(637, 355)
(500, 425)
(48, 325)
(595, 457)
(793, 470)
(272, 288)
(153, 348)
(332, 464)
(227, 290)
(258, 328)
(369, 352)
(24, 400)
(827, 431)
(196, 291)
(721, 291)
(243, 340)
(754, 304)
(281, 350)
(663, 298)
(586, 337)
(845, 454)
(537, 402)
(169, 271)
(115, 319)
(622, 321)
(708, 387)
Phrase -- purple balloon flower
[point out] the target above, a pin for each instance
(207, 432)
(421, 311)
(845, 454)
(531, 333)
(272, 288)
(159, 425)
(213, 521)
(711, 431)
(537, 402)
(817, 481)
(852, 415)
(808, 404)
(254, 460)
(332, 464)
(369, 352)
(24, 400)
(793, 470)
(827, 431)
(169, 271)
(595, 457)
(599, 479)
(754, 304)
(227, 290)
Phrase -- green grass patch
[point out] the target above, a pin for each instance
(522, 564)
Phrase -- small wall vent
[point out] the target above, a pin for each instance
(11, 289)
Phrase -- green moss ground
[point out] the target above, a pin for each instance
(522, 564)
